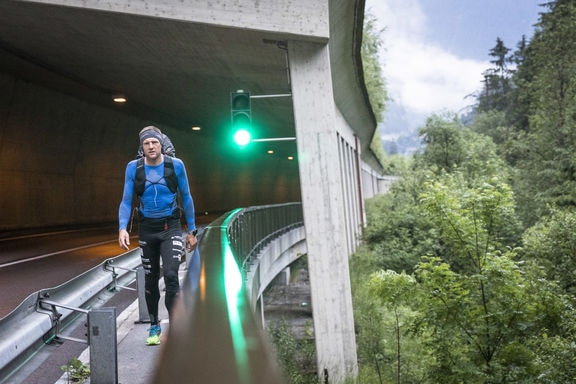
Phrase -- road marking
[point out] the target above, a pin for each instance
(55, 253)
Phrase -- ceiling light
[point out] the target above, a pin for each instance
(196, 128)
(119, 99)
(270, 151)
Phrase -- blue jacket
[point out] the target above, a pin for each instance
(157, 201)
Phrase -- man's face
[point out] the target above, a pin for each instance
(152, 148)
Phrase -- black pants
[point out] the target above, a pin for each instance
(160, 239)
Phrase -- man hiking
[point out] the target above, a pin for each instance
(156, 179)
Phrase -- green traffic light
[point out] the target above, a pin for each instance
(241, 119)
(242, 137)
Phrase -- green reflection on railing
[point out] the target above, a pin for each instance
(233, 288)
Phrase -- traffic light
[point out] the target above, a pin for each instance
(240, 116)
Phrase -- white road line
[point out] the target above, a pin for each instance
(55, 253)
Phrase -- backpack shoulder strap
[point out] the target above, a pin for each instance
(170, 174)
(139, 177)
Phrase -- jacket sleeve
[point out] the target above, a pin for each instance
(125, 208)
(184, 188)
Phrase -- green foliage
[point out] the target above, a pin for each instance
(297, 357)
(552, 243)
(368, 319)
(474, 220)
(483, 310)
(451, 147)
(443, 140)
(508, 141)
(497, 80)
(472, 312)
(538, 99)
(484, 327)
(400, 357)
(77, 370)
(397, 233)
(373, 76)
(447, 285)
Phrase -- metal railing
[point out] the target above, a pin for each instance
(43, 315)
(250, 229)
(214, 336)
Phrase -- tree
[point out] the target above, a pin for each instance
(483, 312)
(373, 77)
(517, 111)
(368, 318)
(552, 243)
(451, 147)
(474, 220)
(397, 234)
(497, 80)
(473, 311)
(508, 141)
(443, 142)
(547, 168)
(396, 291)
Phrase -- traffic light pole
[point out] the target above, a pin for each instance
(270, 96)
(275, 139)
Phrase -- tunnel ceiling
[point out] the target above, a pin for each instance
(173, 72)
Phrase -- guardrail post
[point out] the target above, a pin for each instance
(103, 350)
(143, 317)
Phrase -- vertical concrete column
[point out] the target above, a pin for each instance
(318, 156)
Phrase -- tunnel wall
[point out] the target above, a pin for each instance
(56, 154)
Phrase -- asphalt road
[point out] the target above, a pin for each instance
(34, 262)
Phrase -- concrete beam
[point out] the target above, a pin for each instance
(322, 199)
(293, 17)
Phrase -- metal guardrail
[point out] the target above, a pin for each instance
(250, 229)
(37, 320)
(214, 336)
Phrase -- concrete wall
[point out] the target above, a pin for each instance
(294, 17)
(60, 158)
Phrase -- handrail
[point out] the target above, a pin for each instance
(250, 229)
(214, 336)
(34, 319)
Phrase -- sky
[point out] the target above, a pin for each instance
(434, 52)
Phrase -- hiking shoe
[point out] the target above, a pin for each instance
(154, 335)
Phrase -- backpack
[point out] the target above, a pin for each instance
(169, 176)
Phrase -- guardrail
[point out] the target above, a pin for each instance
(42, 315)
(214, 336)
(249, 230)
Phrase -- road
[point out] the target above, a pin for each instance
(44, 260)
(32, 262)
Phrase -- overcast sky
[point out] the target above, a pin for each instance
(435, 51)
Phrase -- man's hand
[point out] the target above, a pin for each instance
(191, 242)
(124, 239)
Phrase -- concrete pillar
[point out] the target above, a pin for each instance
(318, 156)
